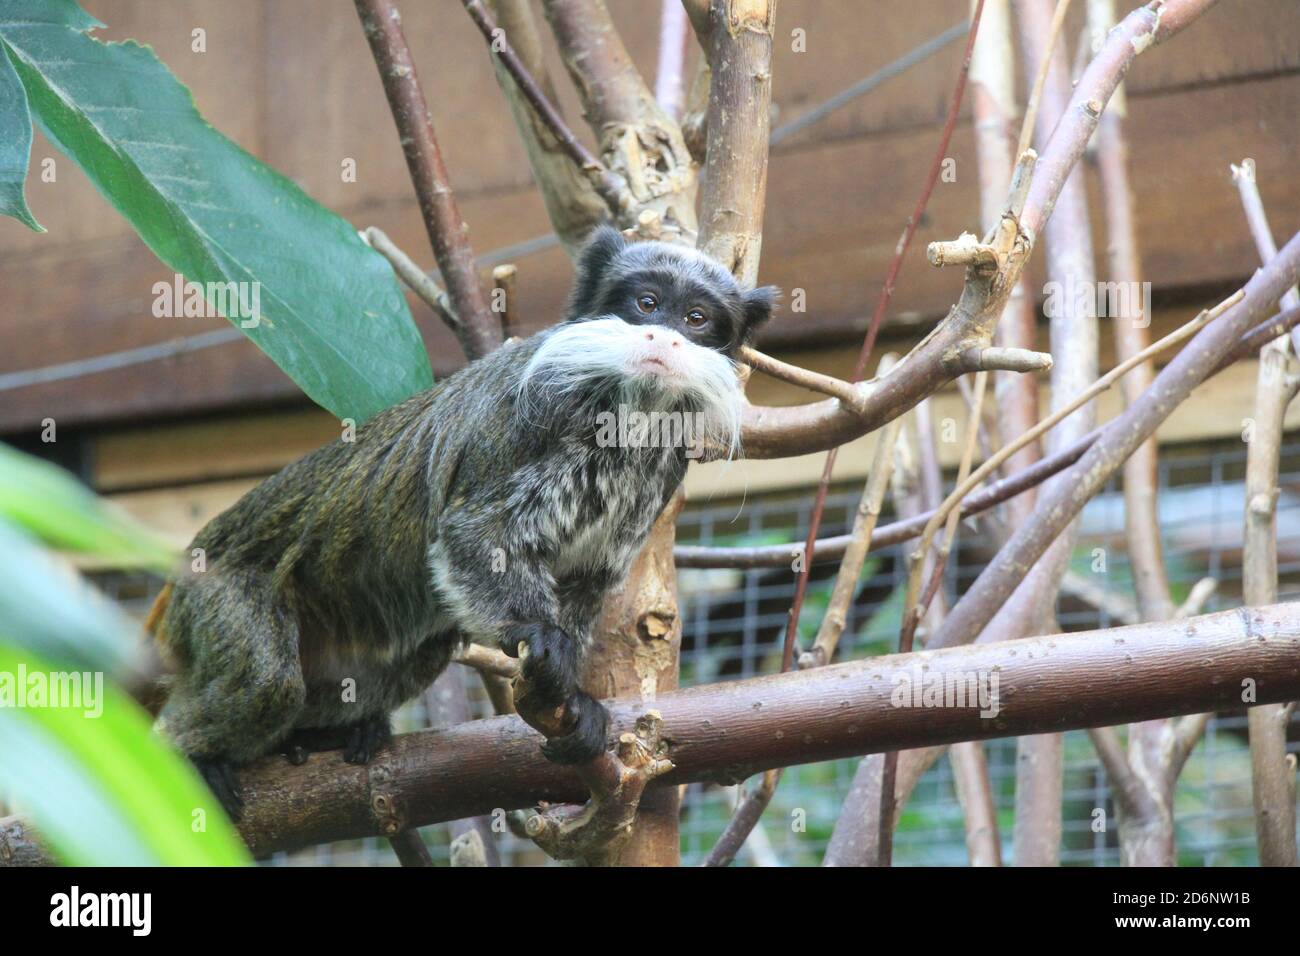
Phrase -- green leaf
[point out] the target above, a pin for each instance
(328, 309)
(15, 145)
(101, 788)
(49, 503)
(50, 610)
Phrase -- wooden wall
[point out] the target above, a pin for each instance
(292, 81)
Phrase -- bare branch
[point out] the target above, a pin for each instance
(1272, 780)
(1040, 79)
(781, 432)
(638, 141)
(609, 187)
(851, 396)
(382, 24)
(487, 660)
(739, 117)
(1060, 503)
(504, 286)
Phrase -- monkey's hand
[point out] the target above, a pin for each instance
(551, 667)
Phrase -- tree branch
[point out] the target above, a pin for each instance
(478, 330)
(1059, 504)
(781, 432)
(725, 732)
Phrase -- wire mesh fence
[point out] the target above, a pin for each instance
(734, 627)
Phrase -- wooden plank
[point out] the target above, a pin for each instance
(307, 106)
(847, 41)
(833, 217)
(178, 513)
(208, 449)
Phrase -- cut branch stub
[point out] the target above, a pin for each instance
(965, 250)
(597, 832)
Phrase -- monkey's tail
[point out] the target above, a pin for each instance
(160, 604)
(154, 696)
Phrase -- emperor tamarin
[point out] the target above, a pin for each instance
(499, 506)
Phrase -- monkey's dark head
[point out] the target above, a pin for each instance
(657, 284)
(653, 326)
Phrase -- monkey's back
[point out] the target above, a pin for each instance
(341, 536)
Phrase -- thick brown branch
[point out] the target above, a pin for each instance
(725, 732)
(638, 140)
(739, 118)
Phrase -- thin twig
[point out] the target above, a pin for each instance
(850, 395)
(1102, 384)
(419, 282)
(835, 618)
(505, 290)
(882, 304)
(1035, 97)
(610, 187)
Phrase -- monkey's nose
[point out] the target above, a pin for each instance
(674, 340)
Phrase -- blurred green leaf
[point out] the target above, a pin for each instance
(50, 504)
(100, 787)
(331, 314)
(47, 608)
(15, 145)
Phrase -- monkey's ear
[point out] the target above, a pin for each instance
(603, 246)
(758, 305)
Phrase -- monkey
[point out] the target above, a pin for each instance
(499, 506)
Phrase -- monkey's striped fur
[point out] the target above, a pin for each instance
(486, 508)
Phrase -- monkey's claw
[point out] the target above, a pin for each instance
(366, 737)
(219, 774)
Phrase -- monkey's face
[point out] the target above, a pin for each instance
(654, 285)
(651, 327)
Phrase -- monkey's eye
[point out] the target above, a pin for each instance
(646, 303)
(696, 318)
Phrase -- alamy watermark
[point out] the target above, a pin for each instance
(1114, 300)
(916, 687)
(73, 690)
(632, 428)
(237, 301)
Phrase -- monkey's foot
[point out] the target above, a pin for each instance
(586, 741)
(550, 661)
(302, 742)
(219, 774)
(366, 737)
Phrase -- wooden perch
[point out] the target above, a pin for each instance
(727, 732)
